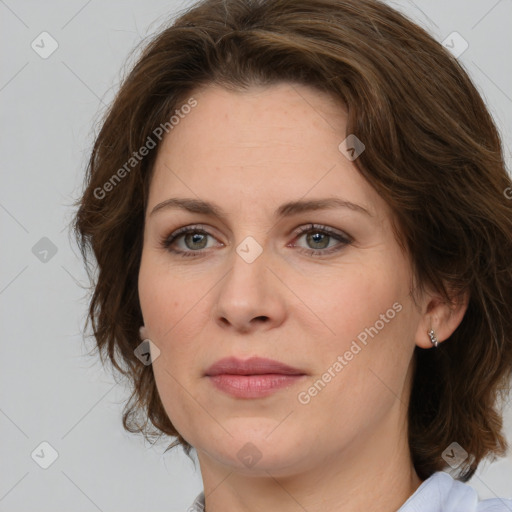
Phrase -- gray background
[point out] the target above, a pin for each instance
(50, 389)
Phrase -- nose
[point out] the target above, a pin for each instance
(250, 296)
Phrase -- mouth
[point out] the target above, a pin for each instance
(252, 366)
(253, 378)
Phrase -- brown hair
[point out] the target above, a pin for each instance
(432, 152)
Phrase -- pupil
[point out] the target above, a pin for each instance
(196, 238)
(318, 238)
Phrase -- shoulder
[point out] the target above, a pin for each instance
(442, 493)
(495, 505)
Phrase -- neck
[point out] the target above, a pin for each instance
(374, 472)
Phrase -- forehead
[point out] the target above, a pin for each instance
(277, 113)
(260, 146)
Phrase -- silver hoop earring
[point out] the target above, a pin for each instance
(433, 338)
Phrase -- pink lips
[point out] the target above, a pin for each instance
(252, 366)
(253, 378)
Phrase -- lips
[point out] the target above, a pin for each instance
(252, 378)
(252, 366)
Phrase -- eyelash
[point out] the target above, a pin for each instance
(167, 241)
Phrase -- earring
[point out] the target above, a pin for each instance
(433, 338)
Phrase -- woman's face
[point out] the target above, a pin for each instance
(332, 301)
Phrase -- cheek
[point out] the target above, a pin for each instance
(375, 352)
(174, 311)
(352, 300)
(367, 313)
(167, 303)
(163, 295)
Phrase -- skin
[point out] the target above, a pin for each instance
(249, 152)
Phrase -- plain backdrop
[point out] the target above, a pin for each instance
(51, 391)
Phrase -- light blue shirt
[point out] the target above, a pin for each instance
(439, 493)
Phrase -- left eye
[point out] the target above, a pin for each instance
(319, 238)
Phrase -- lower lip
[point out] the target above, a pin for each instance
(253, 386)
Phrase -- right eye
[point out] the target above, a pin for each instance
(193, 241)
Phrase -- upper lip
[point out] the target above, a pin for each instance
(251, 366)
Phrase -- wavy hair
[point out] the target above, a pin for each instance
(433, 153)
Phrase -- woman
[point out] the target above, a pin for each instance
(300, 206)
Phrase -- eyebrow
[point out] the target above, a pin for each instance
(285, 210)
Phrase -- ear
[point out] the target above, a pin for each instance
(441, 316)
(143, 332)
